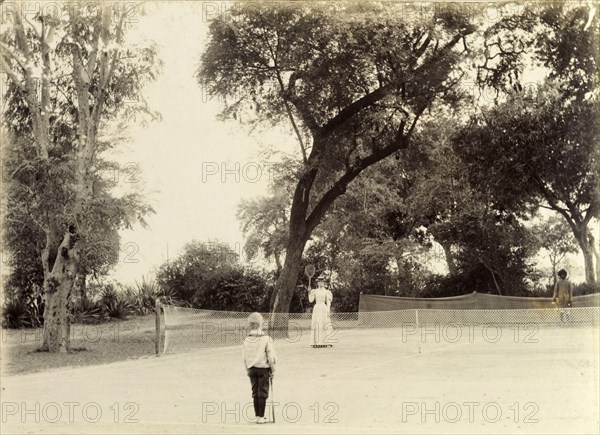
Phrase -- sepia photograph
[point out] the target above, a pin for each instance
(300, 217)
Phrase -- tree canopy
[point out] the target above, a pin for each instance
(73, 84)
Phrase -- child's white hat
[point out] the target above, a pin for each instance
(255, 318)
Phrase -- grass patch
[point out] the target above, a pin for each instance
(90, 345)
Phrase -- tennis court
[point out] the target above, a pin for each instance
(430, 378)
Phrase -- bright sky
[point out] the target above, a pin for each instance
(183, 159)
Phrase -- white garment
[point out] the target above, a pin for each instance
(321, 327)
(258, 351)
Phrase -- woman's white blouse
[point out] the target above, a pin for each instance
(321, 296)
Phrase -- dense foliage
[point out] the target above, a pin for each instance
(209, 276)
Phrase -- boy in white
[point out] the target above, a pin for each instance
(259, 361)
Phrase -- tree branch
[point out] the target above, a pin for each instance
(106, 71)
(13, 75)
(45, 82)
(8, 50)
(380, 93)
(91, 63)
(339, 187)
(291, 96)
(285, 101)
(42, 139)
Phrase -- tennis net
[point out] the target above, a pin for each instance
(188, 329)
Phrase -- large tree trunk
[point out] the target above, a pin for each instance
(299, 232)
(596, 254)
(286, 285)
(58, 285)
(584, 238)
(588, 256)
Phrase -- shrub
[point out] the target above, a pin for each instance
(23, 312)
(235, 290)
(143, 296)
(207, 275)
(113, 304)
(88, 311)
(108, 294)
(118, 308)
(586, 288)
(187, 275)
(36, 311)
(345, 300)
(14, 314)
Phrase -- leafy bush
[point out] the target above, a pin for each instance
(143, 296)
(36, 311)
(207, 275)
(112, 304)
(14, 314)
(108, 295)
(235, 290)
(23, 312)
(88, 311)
(586, 288)
(118, 308)
(345, 300)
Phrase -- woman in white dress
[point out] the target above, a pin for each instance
(321, 328)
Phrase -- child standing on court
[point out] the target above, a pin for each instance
(260, 362)
(563, 292)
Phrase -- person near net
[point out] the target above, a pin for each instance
(563, 294)
(321, 327)
(260, 362)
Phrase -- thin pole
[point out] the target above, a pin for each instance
(157, 316)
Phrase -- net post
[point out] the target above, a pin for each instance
(417, 317)
(157, 317)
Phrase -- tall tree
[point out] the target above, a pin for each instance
(70, 75)
(544, 140)
(540, 149)
(352, 83)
